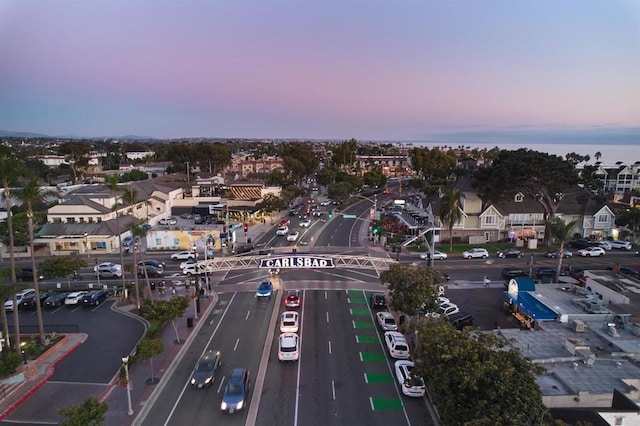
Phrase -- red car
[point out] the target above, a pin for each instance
(292, 300)
(285, 222)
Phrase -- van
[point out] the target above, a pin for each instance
(460, 320)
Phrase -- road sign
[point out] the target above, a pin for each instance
(349, 216)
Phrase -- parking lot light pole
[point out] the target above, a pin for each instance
(125, 362)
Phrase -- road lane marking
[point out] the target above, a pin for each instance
(329, 347)
(221, 383)
(247, 317)
(325, 295)
(327, 316)
(333, 389)
(236, 345)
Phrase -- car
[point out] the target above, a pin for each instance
(544, 272)
(292, 299)
(386, 321)
(242, 249)
(325, 203)
(303, 215)
(284, 222)
(54, 300)
(441, 300)
(106, 265)
(510, 273)
(606, 245)
(445, 276)
(448, 308)
(510, 253)
(146, 227)
(410, 384)
(153, 262)
(289, 322)
(194, 269)
(95, 297)
(168, 221)
(151, 271)
(293, 236)
(74, 298)
(305, 223)
(236, 391)
(620, 245)
(8, 304)
(378, 301)
(30, 301)
(188, 264)
(591, 252)
(126, 241)
(396, 345)
(282, 231)
(460, 320)
(475, 252)
(184, 255)
(265, 289)
(437, 255)
(288, 347)
(25, 273)
(203, 373)
(580, 243)
(553, 254)
(110, 271)
(317, 213)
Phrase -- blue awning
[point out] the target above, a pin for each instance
(533, 307)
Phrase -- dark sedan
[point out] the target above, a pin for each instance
(236, 391)
(29, 302)
(544, 272)
(54, 300)
(556, 253)
(95, 297)
(203, 374)
(378, 301)
(510, 273)
(154, 263)
(510, 253)
(152, 271)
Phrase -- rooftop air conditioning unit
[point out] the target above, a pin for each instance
(577, 326)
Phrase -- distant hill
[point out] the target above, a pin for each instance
(8, 134)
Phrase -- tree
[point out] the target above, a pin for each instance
(7, 290)
(76, 153)
(375, 178)
(412, 289)
(138, 233)
(630, 221)
(166, 310)
(31, 195)
(561, 231)
(60, 266)
(11, 170)
(271, 203)
(112, 184)
(542, 176)
(449, 211)
(477, 378)
(90, 413)
(129, 196)
(146, 350)
(432, 164)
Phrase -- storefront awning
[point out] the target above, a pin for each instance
(532, 306)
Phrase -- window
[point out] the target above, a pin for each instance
(602, 218)
(90, 220)
(57, 220)
(489, 220)
(71, 220)
(519, 197)
(81, 220)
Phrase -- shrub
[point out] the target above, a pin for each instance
(9, 362)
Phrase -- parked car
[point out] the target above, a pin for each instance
(236, 391)
(510, 273)
(580, 243)
(437, 255)
(265, 289)
(591, 252)
(544, 272)
(396, 345)
(30, 302)
(378, 301)
(25, 273)
(95, 297)
(289, 322)
(460, 320)
(292, 299)
(556, 253)
(8, 304)
(510, 253)
(126, 241)
(410, 384)
(242, 249)
(75, 298)
(293, 236)
(203, 373)
(475, 253)
(606, 245)
(288, 347)
(620, 245)
(168, 221)
(54, 300)
(386, 321)
(184, 255)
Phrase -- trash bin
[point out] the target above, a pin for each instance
(248, 240)
(189, 322)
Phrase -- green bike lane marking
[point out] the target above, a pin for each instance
(362, 324)
(378, 378)
(359, 311)
(367, 339)
(372, 357)
(378, 403)
(356, 301)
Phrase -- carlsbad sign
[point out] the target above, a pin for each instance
(297, 262)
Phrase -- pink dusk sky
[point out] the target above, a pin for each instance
(371, 70)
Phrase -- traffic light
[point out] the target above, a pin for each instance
(330, 215)
(246, 227)
(376, 230)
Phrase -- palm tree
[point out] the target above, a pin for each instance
(129, 196)
(10, 171)
(31, 196)
(449, 211)
(112, 184)
(561, 231)
(138, 232)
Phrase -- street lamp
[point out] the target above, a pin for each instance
(125, 362)
(86, 243)
(24, 354)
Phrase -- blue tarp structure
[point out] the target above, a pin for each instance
(533, 307)
(525, 284)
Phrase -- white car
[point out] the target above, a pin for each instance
(397, 345)
(74, 298)
(108, 270)
(386, 321)
(168, 221)
(187, 264)
(8, 304)
(591, 251)
(184, 255)
(449, 308)
(288, 347)
(195, 270)
(106, 265)
(620, 245)
(289, 322)
(282, 231)
(325, 203)
(475, 252)
(305, 223)
(437, 255)
(409, 384)
(604, 244)
(293, 236)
